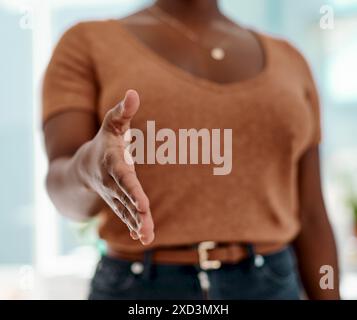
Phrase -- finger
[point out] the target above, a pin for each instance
(146, 232)
(129, 205)
(131, 186)
(111, 193)
(134, 235)
(131, 105)
(126, 215)
(117, 120)
(117, 208)
(124, 207)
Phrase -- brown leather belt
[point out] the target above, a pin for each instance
(207, 254)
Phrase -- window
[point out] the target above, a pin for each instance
(31, 232)
(16, 160)
(341, 46)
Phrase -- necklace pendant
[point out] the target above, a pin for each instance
(218, 53)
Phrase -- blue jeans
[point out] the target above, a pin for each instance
(272, 276)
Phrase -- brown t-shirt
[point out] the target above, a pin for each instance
(274, 119)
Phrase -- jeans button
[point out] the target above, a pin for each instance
(137, 268)
(259, 261)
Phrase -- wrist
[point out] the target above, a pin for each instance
(80, 167)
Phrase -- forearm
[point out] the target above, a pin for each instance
(67, 189)
(315, 247)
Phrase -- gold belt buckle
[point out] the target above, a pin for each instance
(205, 263)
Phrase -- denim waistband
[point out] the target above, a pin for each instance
(252, 258)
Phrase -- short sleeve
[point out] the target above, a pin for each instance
(69, 81)
(311, 93)
(315, 107)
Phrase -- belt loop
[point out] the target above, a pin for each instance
(251, 255)
(148, 265)
(255, 260)
(251, 251)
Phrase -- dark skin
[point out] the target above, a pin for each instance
(87, 169)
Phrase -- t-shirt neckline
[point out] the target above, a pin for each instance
(197, 80)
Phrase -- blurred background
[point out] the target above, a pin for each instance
(43, 256)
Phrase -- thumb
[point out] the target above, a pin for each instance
(118, 119)
(130, 105)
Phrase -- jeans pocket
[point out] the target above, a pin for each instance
(279, 268)
(112, 280)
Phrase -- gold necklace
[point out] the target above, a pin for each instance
(217, 52)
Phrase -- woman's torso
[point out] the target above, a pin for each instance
(266, 107)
